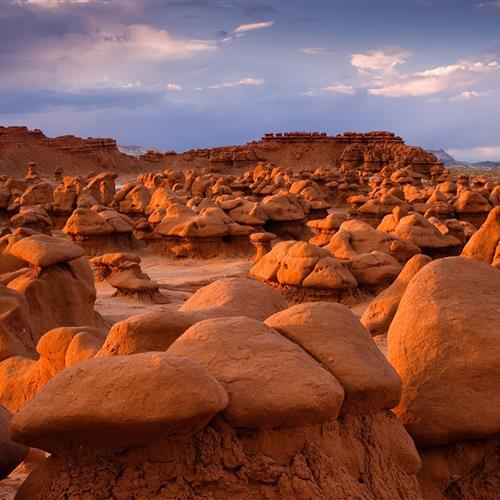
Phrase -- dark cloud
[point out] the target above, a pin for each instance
(14, 101)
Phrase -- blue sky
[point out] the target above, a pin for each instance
(194, 73)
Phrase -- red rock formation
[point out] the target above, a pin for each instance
(294, 150)
(19, 146)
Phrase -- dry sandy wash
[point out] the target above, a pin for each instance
(301, 317)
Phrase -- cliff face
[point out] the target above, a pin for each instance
(18, 146)
(293, 150)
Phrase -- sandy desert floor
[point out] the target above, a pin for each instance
(178, 280)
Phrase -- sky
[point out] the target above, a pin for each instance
(198, 73)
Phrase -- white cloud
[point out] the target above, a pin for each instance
(243, 28)
(310, 93)
(340, 88)
(107, 84)
(481, 153)
(123, 52)
(315, 50)
(49, 3)
(173, 86)
(384, 78)
(379, 60)
(242, 82)
(112, 42)
(469, 94)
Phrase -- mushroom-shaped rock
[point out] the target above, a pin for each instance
(54, 344)
(34, 217)
(355, 237)
(332, 335)
(484, 243)
(175, 395)
(136, 200)
(267, 267)
(330, 273)
(382, 205)
(233, 297)
(444, 343)
(377, 318)
(84, 221)
(419, 231)
(132, 282)
(43, 251)
(11, 454)
(326, 228)
(300, 260)
(262, 243)
(299, 264)
(120, 223)
(151, 331)
(247, 212)
(59, 295)
(374, 268)
(471, 202)
(108, 264)
(270, 381)
(282, 208)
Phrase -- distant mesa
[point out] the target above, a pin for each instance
(449, 160)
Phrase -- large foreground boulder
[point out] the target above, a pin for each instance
(331, 334)
(270, 381)
(174, 395)
(444, 342)
(145, 425)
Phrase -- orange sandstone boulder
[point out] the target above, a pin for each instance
(444, 343)
(100, 401)
(299, 268)
(270, 381)
(151, 331)
(332, 335)
(379, 314)
(234, 297)
(375, 268)
(355, 237)
(484, 243)
(45, 251)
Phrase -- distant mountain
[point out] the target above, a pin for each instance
(135, 150)
(486, 164)
(443, 156)
(449, 160)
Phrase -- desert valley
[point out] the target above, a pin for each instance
(302, 316)
(249, 250)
